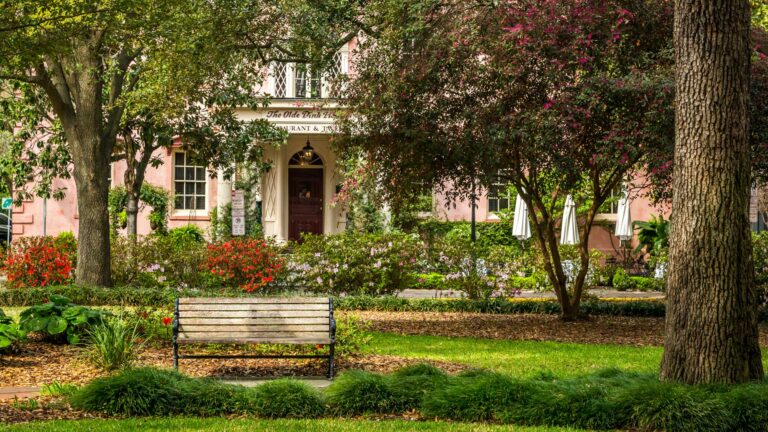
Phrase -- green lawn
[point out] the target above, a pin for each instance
(520, 358)
(219, 424)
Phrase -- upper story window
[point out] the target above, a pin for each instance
(189, 183)
(280, 76)
(296, 80)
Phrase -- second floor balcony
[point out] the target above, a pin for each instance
(299, 81)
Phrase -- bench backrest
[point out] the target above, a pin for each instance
(299, 320)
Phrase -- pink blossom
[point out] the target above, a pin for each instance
(515, 28)
(549, 104)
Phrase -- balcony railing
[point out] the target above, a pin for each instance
(299, 81)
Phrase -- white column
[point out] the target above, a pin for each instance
(223, 189)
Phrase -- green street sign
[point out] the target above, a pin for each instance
(7, 203)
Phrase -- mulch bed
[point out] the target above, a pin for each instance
(47, 409)
(530, 327)
(42, 363)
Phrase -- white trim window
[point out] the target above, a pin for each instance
(190, 184)
(296, 80)
(499, 198)
(280, 77)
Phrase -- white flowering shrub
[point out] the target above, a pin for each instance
(354, 263)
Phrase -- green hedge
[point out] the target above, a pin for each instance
(606, 400)
(128, 296)
(647, 308)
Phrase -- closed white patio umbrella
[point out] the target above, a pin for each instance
(569, 231)
(624, 219)
(520, 226)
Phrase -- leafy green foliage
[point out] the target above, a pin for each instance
(624, 282)
(57, 388)
(606, 400)
(154, 196)
(147, 391)
(11, 334)
(112, 344)
(354, 263)
(288, 398)
(621, 280)
(359, 392)
(160, 261)
(653, 235)
(59, 320)
(352, 335)
(187, 233)
(555, 98)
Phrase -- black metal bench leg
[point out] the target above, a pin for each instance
(175, 354)
(330, 361)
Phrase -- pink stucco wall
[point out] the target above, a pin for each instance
(62, 215)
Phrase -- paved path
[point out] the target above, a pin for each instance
(8, 393)
(316, 382)
(602, 293)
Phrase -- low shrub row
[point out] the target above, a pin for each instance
(155, 297)
(605, 400)
(640, 308)
(152, 392)
(624, 282)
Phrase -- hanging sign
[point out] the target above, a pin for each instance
(238, 213)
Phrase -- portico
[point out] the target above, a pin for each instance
(297, 189)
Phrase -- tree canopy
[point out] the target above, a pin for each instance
(555, 98)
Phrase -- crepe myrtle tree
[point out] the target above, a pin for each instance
(98, 62)
(554, 97)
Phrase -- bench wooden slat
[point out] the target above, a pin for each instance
(248, 334)
(255, 321)
(257, 340)
(186, 328)
(254, 300)
(253, 307)
(254, 314)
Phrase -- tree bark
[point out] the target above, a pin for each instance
(73, 84)
(93, 249)
(132, 214)
(711, 324)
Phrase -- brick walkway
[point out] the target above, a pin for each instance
(8, 393)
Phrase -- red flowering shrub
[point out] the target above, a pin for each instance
(247, 263)
(37, 261)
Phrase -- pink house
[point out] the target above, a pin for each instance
(297, 192)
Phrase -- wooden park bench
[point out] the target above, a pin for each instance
(254, 320)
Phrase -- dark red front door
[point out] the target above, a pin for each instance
(305, 202)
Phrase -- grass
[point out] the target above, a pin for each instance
(182, 424)
(520, 358)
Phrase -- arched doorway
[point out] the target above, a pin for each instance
(305, 194)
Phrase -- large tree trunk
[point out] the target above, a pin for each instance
(80, 110)
(711, 324)
(93, 249)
